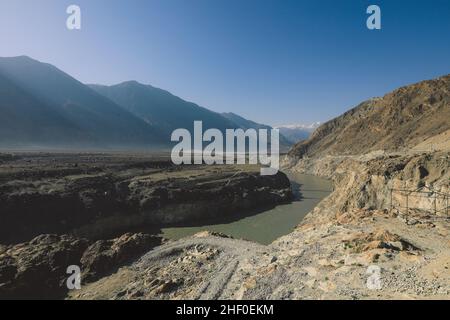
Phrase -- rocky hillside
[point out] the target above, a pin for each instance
(400, 120)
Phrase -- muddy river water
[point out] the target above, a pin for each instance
(266, 226)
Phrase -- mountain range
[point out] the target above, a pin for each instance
(43, 107)
(297, 132)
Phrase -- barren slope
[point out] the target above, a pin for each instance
(401, 119)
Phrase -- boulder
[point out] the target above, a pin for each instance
(104, 256)
(37, 269)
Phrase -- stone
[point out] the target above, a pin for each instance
(37, 269)
(104, 256)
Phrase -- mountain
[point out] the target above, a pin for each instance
(403, 119)
(43, 106)
(296, 132)
(161, 109)
(245, 124)
(26, 120)
(167, 112)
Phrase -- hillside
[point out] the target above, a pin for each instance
(400, 120)
(160, 108)
(55, 108)
(25, 119)
(244, 123)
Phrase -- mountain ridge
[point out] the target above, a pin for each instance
(98, 119)
(44, 107)
(400, 119)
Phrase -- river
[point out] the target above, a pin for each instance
(266, 226)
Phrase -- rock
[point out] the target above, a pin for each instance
(312, 272)
(104, 256)
(354, 260)
(204, 234)
(250, 283)
(327, 286)
(37, 269)
(310, 283)
(166, 287)
(379, 239)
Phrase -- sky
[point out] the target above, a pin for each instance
(272, 61)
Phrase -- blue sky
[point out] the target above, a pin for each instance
(273, 61)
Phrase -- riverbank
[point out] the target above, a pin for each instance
(326, 257)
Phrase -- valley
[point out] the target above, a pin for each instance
(141, 227)
(368, 151)
(102, 210)
(225, 152)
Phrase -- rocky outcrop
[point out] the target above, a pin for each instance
(366, 181)
(101, 257)
(37, 269)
